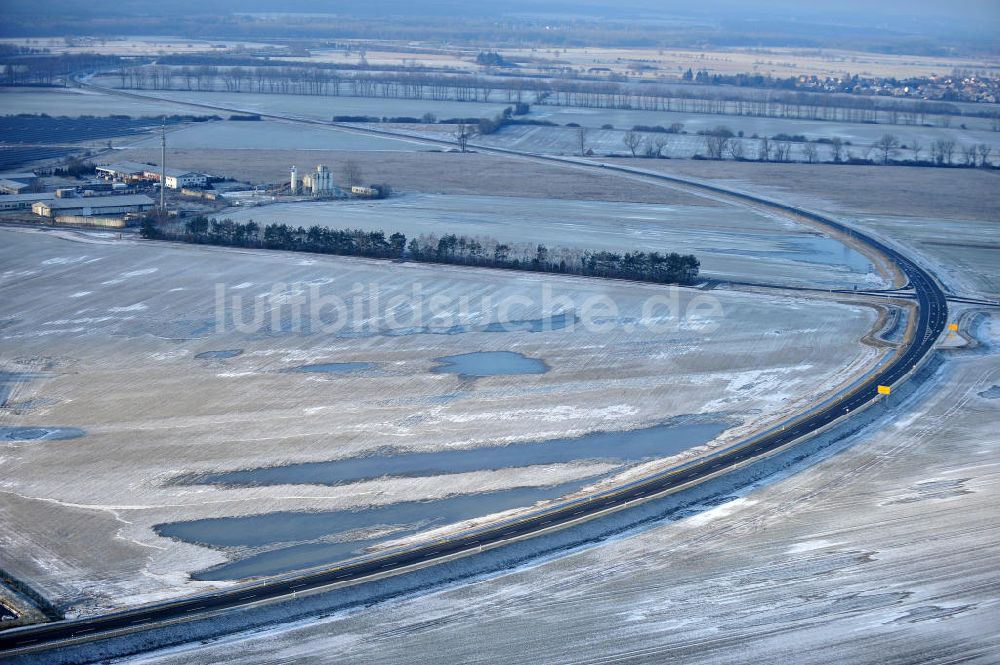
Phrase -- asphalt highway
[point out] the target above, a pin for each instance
(929, 324)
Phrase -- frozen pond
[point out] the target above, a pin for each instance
(619, 447)
(731, 242)
(39, 433)
(993, 392)
(8, 380)
(219, 355)
(489, 363)
(297, 540)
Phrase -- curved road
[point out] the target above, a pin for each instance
(930, 322)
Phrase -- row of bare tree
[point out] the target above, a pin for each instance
(722, 143)
(561, 92)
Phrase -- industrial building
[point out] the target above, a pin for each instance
(133, 172)
(365, 191)
(123, 171)
(176, 178)
(89, 206)
(22, 176)
(317, 184)
(13, 186)
(24, 201)
(13, 182)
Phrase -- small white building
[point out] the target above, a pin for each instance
(364, 191)
(95, 205)
(177, 179)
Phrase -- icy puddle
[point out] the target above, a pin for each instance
(219, 355)
(9, 380)
(992, 392)
(624, 447)
(303, 539)
(276, 543)
(40, 433)
(490, 363)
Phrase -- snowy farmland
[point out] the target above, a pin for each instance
(731, 242)
(315, 107)
(886, 552)
(551, 140)
(272, 135)
(121, 340)
(76, 102)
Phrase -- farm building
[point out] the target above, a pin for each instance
(177, 179)
(13, 182)
(133, 172)
(123, 171)
(20, 176)
(12, 186)
(364, 192)
(97, 205)
(24, 201)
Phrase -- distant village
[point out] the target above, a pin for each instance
(956, 87)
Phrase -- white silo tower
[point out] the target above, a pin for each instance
(294, 185)
(322, 181)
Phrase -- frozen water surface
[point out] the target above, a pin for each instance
(629, 446)
(39, 433)
(304, 530)
(490, 363)
(219, 355)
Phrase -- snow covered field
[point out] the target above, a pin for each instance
(551, 140)
(271, 135)
(884, 553)
(607, 141)
(75, 102)
(946, 217)
(316, 107)
(104, 335)
(731, 242)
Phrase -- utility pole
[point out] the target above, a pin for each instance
(163, 166)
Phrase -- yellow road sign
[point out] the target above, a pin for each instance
(884, 390)
(952, 326)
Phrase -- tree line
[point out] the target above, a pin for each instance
(721, 142)
(557, 91)
(564, 89)
(661, 268)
